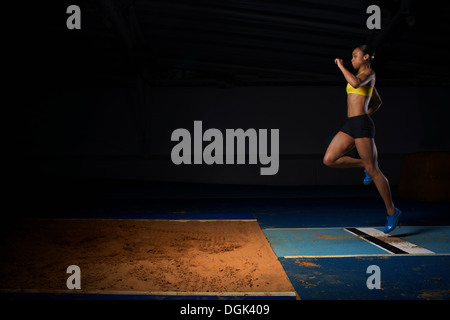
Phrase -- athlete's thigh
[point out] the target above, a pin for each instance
(341, 144)
(367, 150)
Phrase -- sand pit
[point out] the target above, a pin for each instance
(140, 255)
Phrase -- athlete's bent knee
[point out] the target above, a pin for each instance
(371, 170)
(328, 160)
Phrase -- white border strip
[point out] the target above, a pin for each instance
(197, 220)
(153, 293)
(365, 256)
(339, 256)
(274, 229)
(145, 220)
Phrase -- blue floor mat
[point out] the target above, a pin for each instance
(402, 277)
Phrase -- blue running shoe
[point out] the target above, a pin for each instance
(392, 221)
(367, 179)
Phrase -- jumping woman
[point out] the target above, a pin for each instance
(359, 130)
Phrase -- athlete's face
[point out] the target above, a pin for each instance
(358, 58)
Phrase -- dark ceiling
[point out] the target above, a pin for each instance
(234, 42)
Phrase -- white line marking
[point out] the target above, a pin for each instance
(273, 229)
(368, 241)
(396, 242)
(152, 293)
(144, 220)
(208, 220)
(365, 255)
(339, 256)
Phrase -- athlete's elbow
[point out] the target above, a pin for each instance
(377, 97)
(374, 108)
(355, 84)
(377, 102)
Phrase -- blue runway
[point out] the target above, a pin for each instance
(402, 277)
(330, 263)
(324, 261)
(338, 242)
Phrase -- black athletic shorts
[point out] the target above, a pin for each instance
(359, 127)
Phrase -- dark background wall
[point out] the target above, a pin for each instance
(102, 101)
(108, 133)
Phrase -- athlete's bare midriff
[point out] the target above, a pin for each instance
(357, 105)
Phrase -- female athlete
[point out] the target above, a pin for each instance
(359, 130)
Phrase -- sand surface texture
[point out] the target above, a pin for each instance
(140, 255)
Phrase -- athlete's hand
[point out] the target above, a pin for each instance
(339, 62)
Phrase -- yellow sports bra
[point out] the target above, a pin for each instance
(362, 90)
